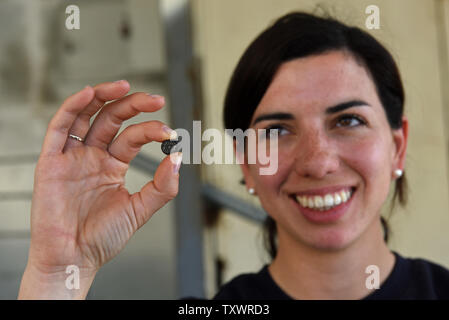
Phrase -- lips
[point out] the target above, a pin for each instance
(324, 205)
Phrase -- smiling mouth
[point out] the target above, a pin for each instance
(324, 202)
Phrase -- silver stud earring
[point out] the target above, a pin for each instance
(251, 191)
(398, 173)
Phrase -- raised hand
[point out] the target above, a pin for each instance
(81, 212)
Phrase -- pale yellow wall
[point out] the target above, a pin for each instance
(222, 31)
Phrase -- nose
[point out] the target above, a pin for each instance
(315, 155)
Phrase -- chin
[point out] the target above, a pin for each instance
(330, 240)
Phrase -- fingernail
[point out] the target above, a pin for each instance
(119, 81)
(172, 133)
(155, 96)
(176, 159)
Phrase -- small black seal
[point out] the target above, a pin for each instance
(171, 146)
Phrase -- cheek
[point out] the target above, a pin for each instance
(370, 158)
(269, 185)
(269, 189)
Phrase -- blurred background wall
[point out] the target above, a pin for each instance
(42, 62)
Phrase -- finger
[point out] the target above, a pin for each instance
(110, 119)
(103, 92)
(129, 142)
(155, 194)
(58, 128)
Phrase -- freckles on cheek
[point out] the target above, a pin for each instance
(272, 182)
(268, 185)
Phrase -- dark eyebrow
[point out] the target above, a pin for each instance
(345, 105)
(288, 116)
(274, 116)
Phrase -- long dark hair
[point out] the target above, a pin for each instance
(297, 35)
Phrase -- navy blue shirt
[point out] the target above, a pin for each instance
(409, 279)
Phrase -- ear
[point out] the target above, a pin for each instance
(400, 137)
(241, 159)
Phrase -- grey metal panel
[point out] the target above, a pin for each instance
(210, 192)
(8, 160)
(233, 203)
(15, 195)
(145, 163)
(188, 204)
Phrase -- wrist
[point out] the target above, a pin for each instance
(70, 282)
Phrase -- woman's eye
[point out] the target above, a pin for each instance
(350, 120)
(271, 130)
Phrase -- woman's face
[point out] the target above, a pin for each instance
(334, 140)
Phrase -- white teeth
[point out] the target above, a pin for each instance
(319, 202)
(329, 200)
(304, 201)
(310, 203)
(324, 203)
(337, 199)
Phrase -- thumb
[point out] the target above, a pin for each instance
(155, 194)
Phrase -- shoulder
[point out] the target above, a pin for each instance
(251, 286)
(428, 280)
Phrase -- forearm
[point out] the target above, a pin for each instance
(36, 285)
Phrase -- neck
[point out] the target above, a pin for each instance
(311, 273)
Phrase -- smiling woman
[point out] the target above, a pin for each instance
(335, 95)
